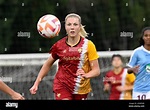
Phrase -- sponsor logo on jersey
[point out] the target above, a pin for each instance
(148, 68)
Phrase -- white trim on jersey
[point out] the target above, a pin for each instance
(123, 82)
(80, 65)
(132, 55)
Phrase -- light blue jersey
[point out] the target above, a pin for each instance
(141, 56)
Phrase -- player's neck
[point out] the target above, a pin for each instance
(72, 41)
(117, 70)
(147, 47)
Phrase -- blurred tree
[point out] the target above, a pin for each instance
(104, 20)
(7, 17)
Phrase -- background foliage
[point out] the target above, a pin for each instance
(104, 20)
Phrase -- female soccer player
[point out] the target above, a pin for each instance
(140, 64)
(118, 81)
(13, 94)
(78, 62)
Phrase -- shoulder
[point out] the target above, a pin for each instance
(131, 77)
(90, 43)
(138, 49)
(87, 42)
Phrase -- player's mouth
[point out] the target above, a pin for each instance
(147, 41)
(72, 32)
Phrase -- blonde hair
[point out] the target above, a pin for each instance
(82, 32)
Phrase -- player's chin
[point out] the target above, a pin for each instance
(148, 43)
(72, 35)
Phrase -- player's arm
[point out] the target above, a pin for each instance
(128, 88)
(95, 70)
(132, 66)
(43, 72)
(6, 89)
(107, 82)
(134, 69)
(45, 69)
(106, 87)
(94, 64)
(124, 88)
(131, 79)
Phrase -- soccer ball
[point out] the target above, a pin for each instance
(48, 26)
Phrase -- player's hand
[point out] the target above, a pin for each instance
(33, 89)
(106, 87)
(135, 69)
(120, 88)
(17, 96)
(81, 73)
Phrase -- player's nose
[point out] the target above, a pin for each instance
(72, 27)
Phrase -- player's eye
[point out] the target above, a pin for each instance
(69, 24)
(75, 24)
(146, 35)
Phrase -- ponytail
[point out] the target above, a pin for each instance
(82, 32)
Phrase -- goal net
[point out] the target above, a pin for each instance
(19, 72)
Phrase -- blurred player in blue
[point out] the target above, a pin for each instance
(140, 65)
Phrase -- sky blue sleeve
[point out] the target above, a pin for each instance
(133, 59)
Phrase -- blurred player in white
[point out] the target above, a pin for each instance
(13, 94)
(140, 65)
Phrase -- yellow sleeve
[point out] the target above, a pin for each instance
(131, 77)
(92, 52)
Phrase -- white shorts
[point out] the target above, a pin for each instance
(140, 95)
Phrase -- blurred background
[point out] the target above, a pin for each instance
(113, 25)
(104, 20)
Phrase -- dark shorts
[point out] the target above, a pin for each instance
(63, 94)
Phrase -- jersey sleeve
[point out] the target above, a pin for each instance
(53, 51)
(133, 59)
(131, 77)
(92, 52)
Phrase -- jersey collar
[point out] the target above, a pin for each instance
(145, 49)
(75, 44)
